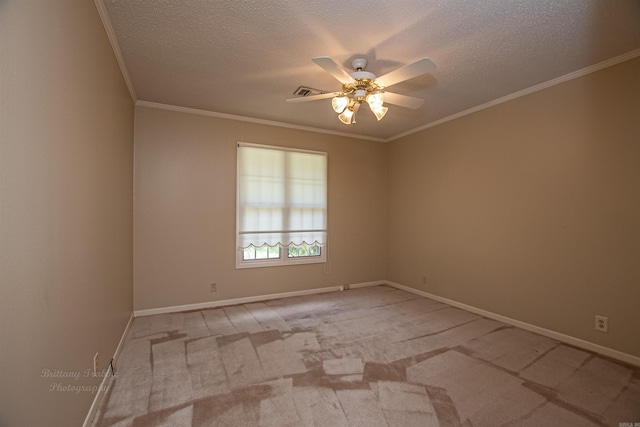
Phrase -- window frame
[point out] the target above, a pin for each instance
(284, 259)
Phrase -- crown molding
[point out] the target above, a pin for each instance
(106, 22)
(545, 85)
(104, 16)
(250, 120)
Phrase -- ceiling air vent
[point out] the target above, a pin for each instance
(307, 91)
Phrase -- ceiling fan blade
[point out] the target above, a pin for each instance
(330, 66)
(402, 100)
(313, 97)
(409, 71)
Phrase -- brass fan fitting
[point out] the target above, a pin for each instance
(364, 84)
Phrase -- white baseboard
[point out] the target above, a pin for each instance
(365, 284)
(615, 354)
(245, 300)
(577, 342)
(97, 400)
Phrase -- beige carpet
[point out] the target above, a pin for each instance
(366, 357)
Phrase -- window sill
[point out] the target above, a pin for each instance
(240, 264)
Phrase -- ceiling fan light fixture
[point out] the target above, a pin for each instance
(362, 86)
(339, 103)
(379, 111)
(346, 116)
(375, 100)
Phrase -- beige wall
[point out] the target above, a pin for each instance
(184, 214)
(66, 145)
(530, 209)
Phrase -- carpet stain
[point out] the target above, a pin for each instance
(368, 356)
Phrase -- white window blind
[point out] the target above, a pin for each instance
(281, 197)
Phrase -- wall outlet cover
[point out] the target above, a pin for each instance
(602, 324)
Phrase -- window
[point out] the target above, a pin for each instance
(281, 206)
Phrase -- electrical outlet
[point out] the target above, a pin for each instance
(602, 323)
(95, 365)
(214, 287)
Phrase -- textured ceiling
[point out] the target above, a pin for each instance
(245, 57)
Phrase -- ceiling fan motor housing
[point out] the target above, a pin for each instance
(359, 64)
(361, 75)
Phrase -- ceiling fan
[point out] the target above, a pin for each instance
(362, 86)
